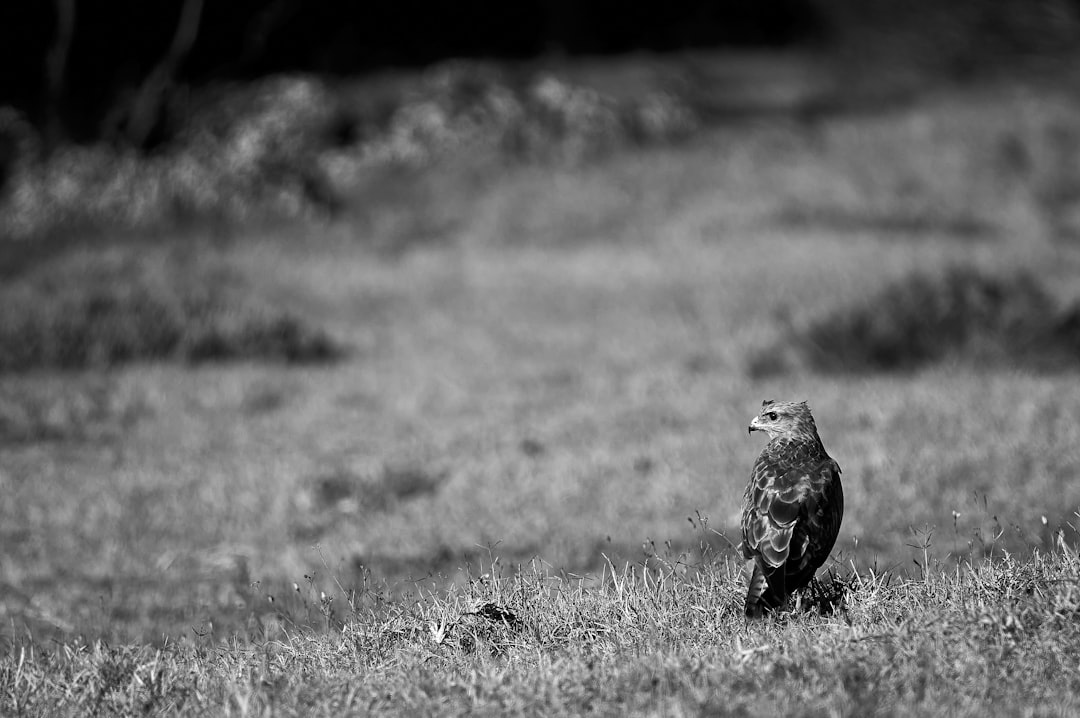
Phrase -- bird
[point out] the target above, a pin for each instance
(792, 507)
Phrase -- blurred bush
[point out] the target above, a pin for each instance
(120, 319)
(960, 314)
(295, 146)
(292, 146)
(244, 154)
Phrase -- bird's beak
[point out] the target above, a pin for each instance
(753, 426)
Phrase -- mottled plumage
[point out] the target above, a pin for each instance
(792, 507)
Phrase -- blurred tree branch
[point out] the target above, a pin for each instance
(146, 104)
(55, 70)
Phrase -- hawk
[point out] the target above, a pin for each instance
(792, 507)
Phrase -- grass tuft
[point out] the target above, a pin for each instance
(123, 319)
(959, 314)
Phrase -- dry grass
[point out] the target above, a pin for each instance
(562, 375)
(665, 637)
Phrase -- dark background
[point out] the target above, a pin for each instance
(115, 44)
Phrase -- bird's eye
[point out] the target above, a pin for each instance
(772, 416)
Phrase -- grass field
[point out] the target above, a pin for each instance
(548, 368)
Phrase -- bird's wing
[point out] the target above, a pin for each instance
(771, 508)
(791, 516)
(824, 510)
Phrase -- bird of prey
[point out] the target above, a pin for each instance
(792, 507)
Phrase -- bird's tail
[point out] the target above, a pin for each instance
(760, 596)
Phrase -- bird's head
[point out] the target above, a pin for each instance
(785, 419)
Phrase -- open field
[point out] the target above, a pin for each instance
(550, 364)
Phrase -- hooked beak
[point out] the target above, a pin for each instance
(754, 426)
